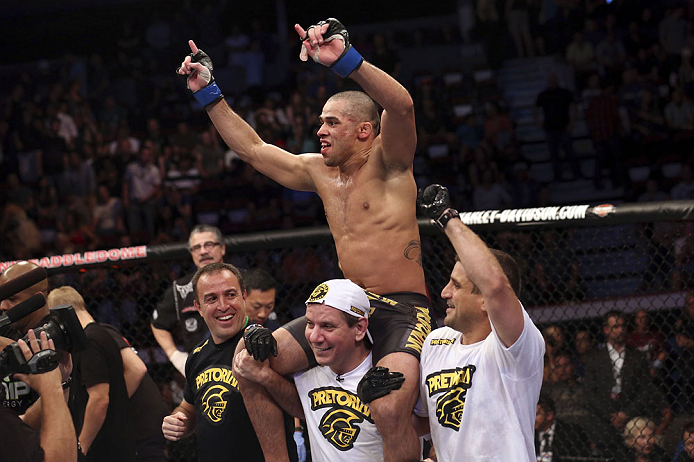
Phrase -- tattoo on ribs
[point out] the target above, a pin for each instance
(413, 251)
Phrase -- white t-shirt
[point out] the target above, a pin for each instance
(340, 426)
(481, 398)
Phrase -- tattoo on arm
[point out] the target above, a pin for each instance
(413, 251)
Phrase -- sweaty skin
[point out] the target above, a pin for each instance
(372, 220)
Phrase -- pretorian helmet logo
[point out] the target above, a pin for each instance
(339, 428)
(318, 293)
(449, 408)
(214, 404)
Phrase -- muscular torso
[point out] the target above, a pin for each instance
(372, 217)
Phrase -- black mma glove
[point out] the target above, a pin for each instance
(435, 203)
(259, 342)
(378, 382)
(349, 60)
(211, 92)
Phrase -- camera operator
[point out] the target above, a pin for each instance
(19, 396)
(55, 441)
(98, 395)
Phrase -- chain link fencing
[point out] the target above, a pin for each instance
(578, 264)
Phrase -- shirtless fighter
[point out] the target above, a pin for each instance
(363, 174)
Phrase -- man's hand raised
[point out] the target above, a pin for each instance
(198, 67)
(327, 43)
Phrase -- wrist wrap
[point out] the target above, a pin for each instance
(347, 63)
(208, 95)
(446, 217)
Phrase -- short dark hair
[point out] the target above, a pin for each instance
(613, 314)
(216, 268)
(546, 402)
(361, 106)
(258, 279)
(508, 266)
(688, 428)
(564, 353)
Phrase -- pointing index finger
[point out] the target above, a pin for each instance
(300, 30)
(193, 48)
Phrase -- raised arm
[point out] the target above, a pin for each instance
(484, 271)
(284, 167)
(328, 43)
(57, 431)
(482, 268)
(398, 131)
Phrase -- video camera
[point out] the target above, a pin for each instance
(62, 326)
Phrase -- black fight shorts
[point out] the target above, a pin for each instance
(398, 322)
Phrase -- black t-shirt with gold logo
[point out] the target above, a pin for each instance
(224, 430)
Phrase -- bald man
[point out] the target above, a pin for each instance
(18, 395)
(17, 329)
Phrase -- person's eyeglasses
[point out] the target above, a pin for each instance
(209, 245)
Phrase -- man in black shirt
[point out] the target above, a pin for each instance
(98, 395)
(212, 403)
(261, 290)
(557, 104)
(175, 314)
(146, 408)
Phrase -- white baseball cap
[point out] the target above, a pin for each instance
(343, 295)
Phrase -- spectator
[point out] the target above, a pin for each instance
(584, 344)
(489, 194)
(523, 189)
(648, 341)
(619, 387)
(518, 23)
(672, 31)
(498, 126)
(679, 112)
(610, 55)
(653, 192)
(556, 276)
(566, 391)
(684, 189)
(559, 110)
(681, 353)
(602, 118)
(687, 453)
(124, 141)
(78, 178)
(210, 153)
(107, 217)
(639, 439)
(581, 56)
(647, 121)
(555, 438)
(141, 188)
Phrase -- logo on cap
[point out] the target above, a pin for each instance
(357, 310)
(318, 293)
